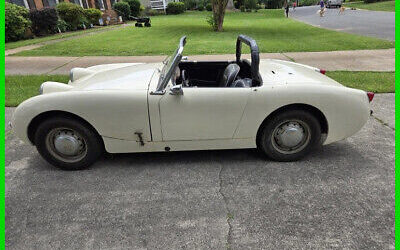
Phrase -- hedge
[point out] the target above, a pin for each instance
(44, 21)
(72, 14)
(93, 15)
(175, 8)
(134, 6)
(122, 9)
(16, 22)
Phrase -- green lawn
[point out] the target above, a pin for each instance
(379, 6)
(377, 82)
(13, 45)
(272, 31)
(20, 88)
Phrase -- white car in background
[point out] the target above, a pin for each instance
(283, 108)
(335, 3)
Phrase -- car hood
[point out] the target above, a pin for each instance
(284, 72)
(121, 76)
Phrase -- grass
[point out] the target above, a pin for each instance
(377, 82)
(379, 6)
(272, 31)
(19, 88)
(21, 43)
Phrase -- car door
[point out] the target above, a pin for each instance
(202, 113)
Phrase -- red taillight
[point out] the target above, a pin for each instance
(322, 71)
(370, 96)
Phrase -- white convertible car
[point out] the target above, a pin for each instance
(283, 108)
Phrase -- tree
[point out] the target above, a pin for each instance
(218, 8)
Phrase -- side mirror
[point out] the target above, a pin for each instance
(176, 90)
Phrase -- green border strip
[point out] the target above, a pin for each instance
(397, 136)
(2, 131)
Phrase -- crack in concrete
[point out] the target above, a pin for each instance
(229, 215)
(383, 122)
(288, 57)
(63, 65)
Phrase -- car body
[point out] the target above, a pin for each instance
(336, 3)
(135, 107)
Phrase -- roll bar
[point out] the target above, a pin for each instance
(255, 55)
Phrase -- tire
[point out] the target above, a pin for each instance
(81, 145)
(303, 128)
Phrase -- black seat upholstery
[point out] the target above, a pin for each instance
(242, 83)
(230, 73)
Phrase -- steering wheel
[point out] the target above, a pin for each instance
(185, 79)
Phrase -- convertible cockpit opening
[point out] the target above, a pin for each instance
(225, 74)
(238, 73)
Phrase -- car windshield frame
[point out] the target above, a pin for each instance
(169, 67)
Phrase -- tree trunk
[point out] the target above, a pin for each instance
(219, 13)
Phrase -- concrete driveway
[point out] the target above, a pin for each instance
(379, 24)
(340, 197)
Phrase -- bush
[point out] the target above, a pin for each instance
(250, 4)
(123, 9)
(72, 14)
(242, 8)
(151, 12)
(16, 22)
(307, 2)
(211, 21)
(200, 8)
(134, 6)
(44, 21)
(61, 26)
(275, 4)
(175, 8)
(93, 15)
(190, 4)
(209, 7)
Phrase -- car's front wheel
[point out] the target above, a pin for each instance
(68, 143)
(290, 135)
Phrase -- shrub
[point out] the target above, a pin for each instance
(200, 8)
(44, 21)
(250, 4)
(134, 6)
(93, 15)
(307, 2)
(61, 26)
(151, 12)
(175, 8)
(16, 22)
(242, 8)
(211, 22)
(190, 4)
(209, 7)
(122, 9)
(72, 14)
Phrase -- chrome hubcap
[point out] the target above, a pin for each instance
(291, 136)
(66, 144)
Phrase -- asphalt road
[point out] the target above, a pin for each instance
(379, 24)
(342, 196)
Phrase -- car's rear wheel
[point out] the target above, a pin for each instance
(290, 135)
(68, 143)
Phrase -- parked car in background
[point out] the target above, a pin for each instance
(334, 3)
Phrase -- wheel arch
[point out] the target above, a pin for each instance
(306, 107)
(37, 120)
